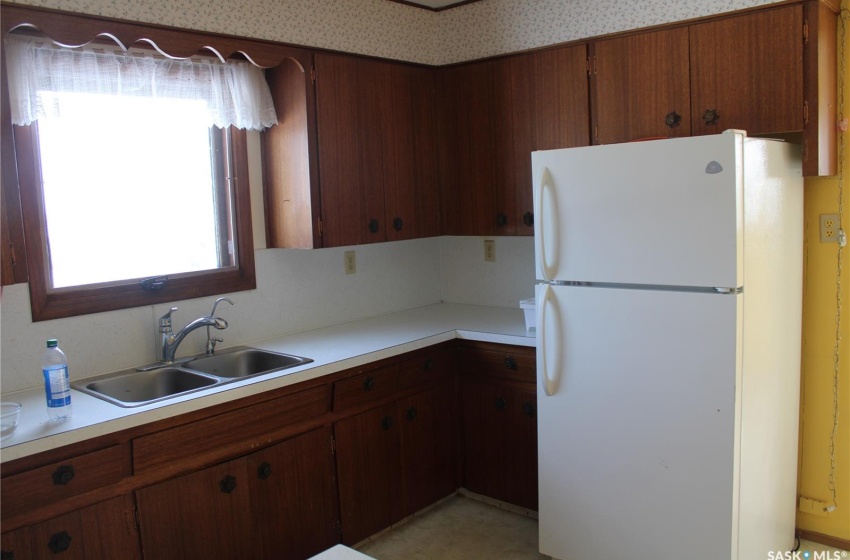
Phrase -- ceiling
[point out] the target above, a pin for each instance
(436, 4)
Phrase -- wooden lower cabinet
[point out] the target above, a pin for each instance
(276, 503)
(500, 440)
(105, 530)
(394, 460)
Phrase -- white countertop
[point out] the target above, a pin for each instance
(332, 349)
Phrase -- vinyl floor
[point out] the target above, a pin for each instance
(460, 528)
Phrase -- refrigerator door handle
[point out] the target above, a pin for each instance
(545, 181)
(549, 387)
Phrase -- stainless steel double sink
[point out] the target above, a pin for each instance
(141, 386)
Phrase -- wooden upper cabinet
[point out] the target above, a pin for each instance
(641, 86)
(349, 150)
(747, 72)
(408, 133)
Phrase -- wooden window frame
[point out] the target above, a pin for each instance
(53, 303)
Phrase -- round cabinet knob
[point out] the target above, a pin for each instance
(63, 475)
(501, 219)
(398, 224)
(411, 413)
(510, 363)
(227, 484)
(501, 403)
(369, 384)
(428, 365)
(373, 226)
(529, 409)
(528, 219)
(264, 471)
(386, 422)
(59, 542)
(711, 116)
(673, 119)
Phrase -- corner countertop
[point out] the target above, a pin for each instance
(332, 349)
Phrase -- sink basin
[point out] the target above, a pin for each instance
(136, 388)
(243, 362)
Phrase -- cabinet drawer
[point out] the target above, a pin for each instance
(426, 370)
(516, 364)
(229, 434)
(365, 388)
(58, 481)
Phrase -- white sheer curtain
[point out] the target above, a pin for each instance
(236, 93)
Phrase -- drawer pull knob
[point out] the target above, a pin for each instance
(529, 409)
(373, 226)
(501, 219)
(501, 403)
(411, 413)
(510, 363)
(63, 475)
(387, 423)
(227, 484)
(264, 471)
(398, 224)
(429, 363)
(59, 542)
(369, 384)
(528, 219)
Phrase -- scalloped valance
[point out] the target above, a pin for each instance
(236, 93)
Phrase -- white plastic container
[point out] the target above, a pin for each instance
(529, 307)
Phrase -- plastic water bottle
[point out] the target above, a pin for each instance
(57, 385)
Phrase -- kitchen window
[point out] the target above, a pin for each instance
(133, 175)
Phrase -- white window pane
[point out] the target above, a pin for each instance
(128, 188)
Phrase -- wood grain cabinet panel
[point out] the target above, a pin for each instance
(103, 531)
(369, 478)
(747, 72)
(15, 545)
(348, 115)
(293, 497)
(64, 479)
(641, 86)
(205, 514)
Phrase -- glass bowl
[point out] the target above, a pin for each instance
(9, 414)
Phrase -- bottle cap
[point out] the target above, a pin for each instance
(52, 343)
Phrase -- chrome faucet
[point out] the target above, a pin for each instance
(171, 341)
(212, 340)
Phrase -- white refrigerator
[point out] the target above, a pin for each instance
(668, 354)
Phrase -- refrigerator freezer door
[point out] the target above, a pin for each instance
(636, 443)
(663, 212)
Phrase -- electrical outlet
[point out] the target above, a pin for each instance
(829, 228)
(813, 507)
(489, 250)
(350, 262)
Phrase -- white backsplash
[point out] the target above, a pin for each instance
(468, 278)
(297, 290)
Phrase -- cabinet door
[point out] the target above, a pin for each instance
(747, 72)
(350, 159)
(641, 86)
(409, 141)
(293, 497)
(429, 451)
(550, 110)
(200, 515)
(103, 531)
(500, 442)
(368, 470)
(15, 545)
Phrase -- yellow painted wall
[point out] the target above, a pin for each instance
(819, 343)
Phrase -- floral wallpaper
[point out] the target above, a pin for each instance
(392, 30)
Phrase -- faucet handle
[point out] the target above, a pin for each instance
(165, 321)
